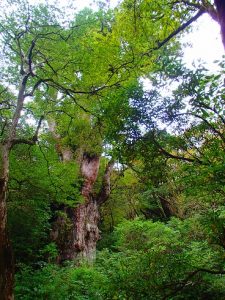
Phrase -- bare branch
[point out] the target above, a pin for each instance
(30, 57)
(35, 137)
(175, 32)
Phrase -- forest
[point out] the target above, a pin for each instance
(112, 153)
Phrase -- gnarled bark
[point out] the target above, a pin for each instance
(86, 228)
(89, 171)
(76, 232)
(64, 153)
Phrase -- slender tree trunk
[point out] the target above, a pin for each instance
(6, 257)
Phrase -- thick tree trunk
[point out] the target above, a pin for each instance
(80, 239)
(76, 232)
(86, 216)
(106, 184)
(6, 257)
(86, 227)
(220, 7)
(64, 153)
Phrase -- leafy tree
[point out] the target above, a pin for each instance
(78, 76)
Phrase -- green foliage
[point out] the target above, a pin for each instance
(124, 200)
(52, 282)
(84, 75)
(149, 261)
(50, 251)
(37, 180)
(155, 259)
(29, 228)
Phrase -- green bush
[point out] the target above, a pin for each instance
(53, 282)
(159, 261)
(149, 261)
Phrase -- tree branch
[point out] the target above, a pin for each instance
(30, 57)
(175, 32)
(31, 141)
(105, 189)
(205, 121)
(179, 29)
(183, 283)
(36, 85)
(170, 155)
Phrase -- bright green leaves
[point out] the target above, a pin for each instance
(53, 282)
(142, 27)
(39, 167)
(143, 236)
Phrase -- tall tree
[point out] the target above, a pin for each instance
(28, 35)
(102, 53)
